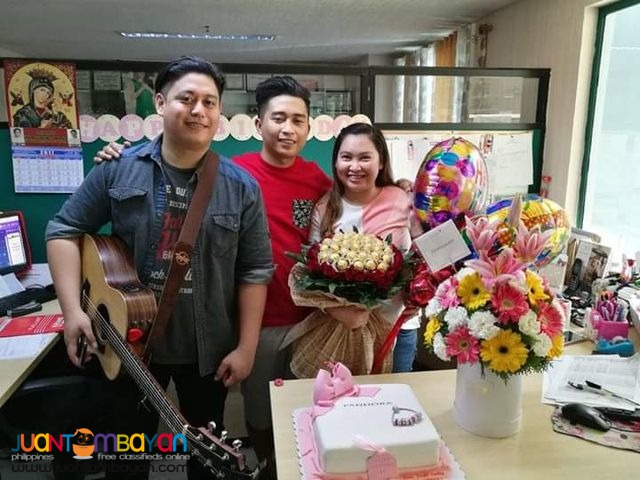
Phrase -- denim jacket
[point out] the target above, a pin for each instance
(232, 248)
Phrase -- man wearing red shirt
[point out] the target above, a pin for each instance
(290, 187)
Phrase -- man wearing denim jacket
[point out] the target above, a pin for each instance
(211, 338)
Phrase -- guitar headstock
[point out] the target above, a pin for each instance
(224, 461)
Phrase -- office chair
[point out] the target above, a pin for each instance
(56, 398)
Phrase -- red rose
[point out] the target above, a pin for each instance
(312, 265)
(397, 259)
(312, 258)
(348, 274)
(422, 289)
(359, 275)
(328, 271)
(441, 275)
(379, 278)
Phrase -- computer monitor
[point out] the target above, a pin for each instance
(15, 255)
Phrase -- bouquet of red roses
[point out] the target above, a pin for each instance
(361, 268)
(347, 269)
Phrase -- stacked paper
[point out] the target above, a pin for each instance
(620, 375)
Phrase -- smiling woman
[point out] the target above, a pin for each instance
(363, 198)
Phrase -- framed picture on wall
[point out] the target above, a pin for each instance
(235, 81)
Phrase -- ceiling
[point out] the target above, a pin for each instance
(328, 31)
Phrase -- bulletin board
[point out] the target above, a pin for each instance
(513, 158)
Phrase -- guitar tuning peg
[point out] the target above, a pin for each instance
(212, 426)
(237, 444)
(223, 435)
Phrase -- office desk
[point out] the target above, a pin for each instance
(14, 372)
(536, 452)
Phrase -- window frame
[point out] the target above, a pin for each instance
(603, 13)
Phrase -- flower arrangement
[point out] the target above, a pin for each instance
(347, 269)
(497, 310)
(359, 267)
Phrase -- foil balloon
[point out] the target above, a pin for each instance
(451, 182)
(536, 212)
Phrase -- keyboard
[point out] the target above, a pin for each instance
(18, 299)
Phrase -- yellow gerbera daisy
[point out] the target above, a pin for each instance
(472, 292)
(433, 327)
(557, 346)
(535, 290)
(504, 352)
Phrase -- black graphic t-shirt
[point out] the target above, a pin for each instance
(178, 344)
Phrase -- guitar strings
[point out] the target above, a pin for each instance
(118, 344)
(134, 366)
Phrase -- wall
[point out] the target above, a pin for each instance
(556, 34)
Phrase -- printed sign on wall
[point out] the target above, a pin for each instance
(43, 125)
(241, 127)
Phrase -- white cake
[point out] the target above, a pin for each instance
(372, 418)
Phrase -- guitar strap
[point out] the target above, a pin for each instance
(181, 256)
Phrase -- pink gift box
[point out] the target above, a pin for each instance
(608, 330)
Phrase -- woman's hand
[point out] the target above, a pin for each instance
(351, 317)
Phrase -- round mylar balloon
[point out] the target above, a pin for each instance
(451, 181)
(537, 212)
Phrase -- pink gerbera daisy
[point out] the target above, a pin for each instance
(550, 319)
(447, 293)
(509, 303)
(464, 346)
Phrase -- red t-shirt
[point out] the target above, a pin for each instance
(289, 196)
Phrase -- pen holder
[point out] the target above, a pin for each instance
(590, 322)
(609, 330)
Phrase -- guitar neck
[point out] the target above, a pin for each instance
(140, 373)
(152, 390)
(107, 268)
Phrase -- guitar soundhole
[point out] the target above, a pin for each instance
(104, 313)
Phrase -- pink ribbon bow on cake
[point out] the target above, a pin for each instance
(330, 386)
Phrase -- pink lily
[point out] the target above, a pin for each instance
(504, 267)
(482, 233)
(530, 243)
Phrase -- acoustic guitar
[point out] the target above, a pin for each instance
(121, 308)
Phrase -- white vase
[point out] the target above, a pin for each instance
(485, 404)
